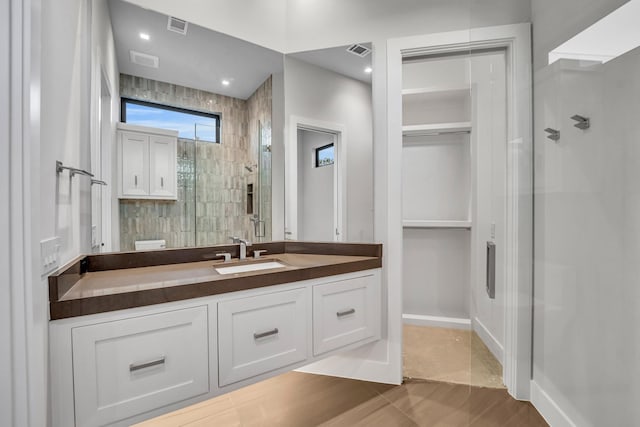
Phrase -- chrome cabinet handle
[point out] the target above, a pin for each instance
(345, 312)
(258, 335)
(137, 366)
(135, 180)
(162, 181)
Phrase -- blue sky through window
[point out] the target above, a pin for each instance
(188, 125)
(325, 155)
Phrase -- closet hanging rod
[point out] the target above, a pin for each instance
(72, 171)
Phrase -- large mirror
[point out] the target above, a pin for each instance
(216, 91)
(239, 110)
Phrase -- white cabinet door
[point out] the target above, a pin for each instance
(261, 334)
(345, 312)
(162, 154)
(135, 163)
(127, 367)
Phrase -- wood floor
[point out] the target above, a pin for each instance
(298, 399)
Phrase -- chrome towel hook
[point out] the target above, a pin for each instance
(583, 122)
(554, 134)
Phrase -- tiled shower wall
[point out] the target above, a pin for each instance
(212, 178)
(259, 107)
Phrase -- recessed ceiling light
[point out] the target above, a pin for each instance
(226, 82)
(368, 70)
(144, 36)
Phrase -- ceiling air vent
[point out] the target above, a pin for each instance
(177, 25)
(358, 49)
(143, 59)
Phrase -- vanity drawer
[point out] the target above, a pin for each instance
(127, 367)
(345, 312)
(260, 334)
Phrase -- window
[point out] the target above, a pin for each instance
(190, 124)
(324, 155)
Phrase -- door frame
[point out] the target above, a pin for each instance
(339, 174)
(516, 39)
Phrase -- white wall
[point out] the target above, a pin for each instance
(587, 206)
(436, 269)
(71, 53)
(104, 65)
(586, 346)
(315, 93)
(65, 124)
(315, 189)
(555, 22)
(314, 25)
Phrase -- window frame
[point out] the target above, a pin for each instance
(217, 116)
(317, 151)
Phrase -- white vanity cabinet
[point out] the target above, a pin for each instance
(147, 162)
(261, 333)
(122, 367)
(130, 366)
(345, 312)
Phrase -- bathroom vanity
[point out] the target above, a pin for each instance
(135, 335)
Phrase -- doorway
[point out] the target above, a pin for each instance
(516, 196)
(453, 204)
(315, 181)
(317, 192)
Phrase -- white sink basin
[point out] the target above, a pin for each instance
(249, 267)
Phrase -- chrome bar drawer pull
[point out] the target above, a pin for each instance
(137, 366)
(346, 312)
(258, 335)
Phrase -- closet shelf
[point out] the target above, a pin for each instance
(436, 224)
(439, 92)
(434, 129)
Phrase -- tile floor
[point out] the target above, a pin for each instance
(449, 355)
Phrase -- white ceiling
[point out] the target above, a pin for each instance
(201, 59)
(337, 59)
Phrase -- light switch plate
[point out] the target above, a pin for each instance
(49, 254)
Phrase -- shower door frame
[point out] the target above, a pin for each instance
(516, 40)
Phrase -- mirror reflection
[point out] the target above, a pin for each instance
(207, 97)
(329, 132)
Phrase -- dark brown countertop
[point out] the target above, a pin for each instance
(108, 282)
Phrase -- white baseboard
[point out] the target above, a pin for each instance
(494, 346)
(437, 321)
(549, 409)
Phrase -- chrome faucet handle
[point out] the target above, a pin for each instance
(226, 255)
(235, 239)
(258, 252)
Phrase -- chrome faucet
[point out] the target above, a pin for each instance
(243, 246)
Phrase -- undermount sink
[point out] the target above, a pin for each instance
(249, 267)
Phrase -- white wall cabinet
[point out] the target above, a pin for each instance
(147, 163)
(120, 368)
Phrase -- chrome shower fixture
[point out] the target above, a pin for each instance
(554, 134)
(583, 122)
